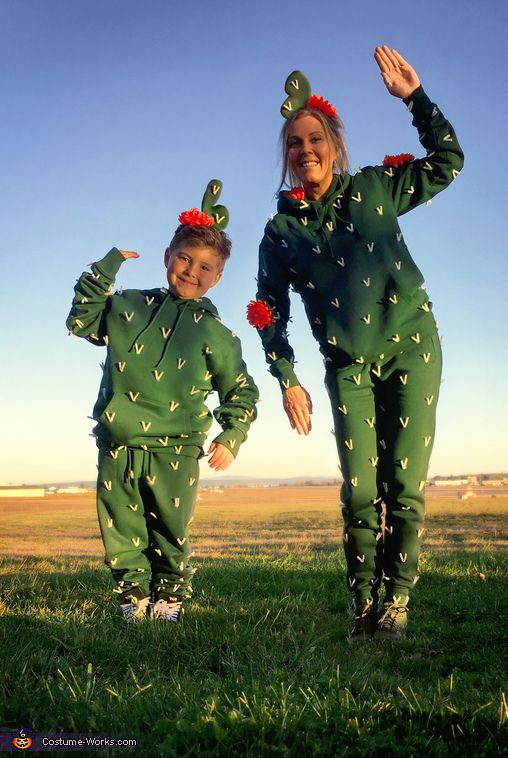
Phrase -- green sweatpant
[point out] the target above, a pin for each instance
(384, 416)
(145, 502)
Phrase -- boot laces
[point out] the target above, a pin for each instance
(392, 615)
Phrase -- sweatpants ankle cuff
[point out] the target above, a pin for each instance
(132, 595)
(398, 598)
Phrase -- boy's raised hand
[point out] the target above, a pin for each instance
(399, 77)
(128, 253)
(221, 457)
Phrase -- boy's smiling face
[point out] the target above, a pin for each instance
(192, 271)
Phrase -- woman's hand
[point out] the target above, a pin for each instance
(298, 406)
(399, 77)
(128, 253)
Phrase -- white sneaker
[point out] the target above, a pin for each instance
(164, 610)
(136, 609)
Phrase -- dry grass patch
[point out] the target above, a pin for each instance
(258, 521)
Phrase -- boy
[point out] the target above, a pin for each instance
(166, 351)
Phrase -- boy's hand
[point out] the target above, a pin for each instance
(399, 77)
(221, 457)
(128, 253)
(298, 406)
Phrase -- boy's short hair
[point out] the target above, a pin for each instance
(202, 236)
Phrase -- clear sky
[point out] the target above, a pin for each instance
(116, 113)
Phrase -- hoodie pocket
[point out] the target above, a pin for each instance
(129, 418)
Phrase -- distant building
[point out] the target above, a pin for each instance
(21, 491)
(442, 482)
(72, 490)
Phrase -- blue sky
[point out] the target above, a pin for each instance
(115, 116)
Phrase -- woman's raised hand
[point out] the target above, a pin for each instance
(399, 77)
(298, 406)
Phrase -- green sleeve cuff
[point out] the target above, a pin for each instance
(110, 264)
(284, 372)
(231, 438)
(420, 102)
(416, 93)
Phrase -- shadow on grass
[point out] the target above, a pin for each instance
(261, 660)
(458, 605)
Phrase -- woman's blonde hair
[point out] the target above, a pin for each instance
(334, 131)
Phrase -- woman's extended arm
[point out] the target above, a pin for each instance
(273, 289)
(418, 181)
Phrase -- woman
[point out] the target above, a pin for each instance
(336, 241)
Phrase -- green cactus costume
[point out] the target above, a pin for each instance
(367, 309)
(165, 355)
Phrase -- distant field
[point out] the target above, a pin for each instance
(261, 665)
(288, 520)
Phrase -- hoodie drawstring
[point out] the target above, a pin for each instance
(138, 464)
(181, 311)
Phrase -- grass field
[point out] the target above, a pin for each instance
(261, 665)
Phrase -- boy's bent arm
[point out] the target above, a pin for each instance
(236, 389)
(91, 293)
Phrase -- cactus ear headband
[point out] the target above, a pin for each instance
(298, 88)
(210, 214)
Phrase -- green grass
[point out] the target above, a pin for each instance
(261, 665)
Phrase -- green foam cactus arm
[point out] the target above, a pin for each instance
(219, 213)
(298, 88)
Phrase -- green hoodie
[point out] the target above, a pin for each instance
(346, 257)
(164, 356)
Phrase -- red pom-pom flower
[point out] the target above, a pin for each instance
(297, 193)
(398, 160)
(320, 104)
(259, 314)
(195, 217)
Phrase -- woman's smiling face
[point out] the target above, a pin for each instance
(310, 155)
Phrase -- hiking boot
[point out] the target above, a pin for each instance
(392, 620)
(167, 610)
(136, 609)
(364, 622)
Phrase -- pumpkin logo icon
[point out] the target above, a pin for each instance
(22, 739)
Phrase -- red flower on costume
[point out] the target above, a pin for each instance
(297, 193)
(195, 217)
(398, 160)
(259, 314)
(320, 104)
